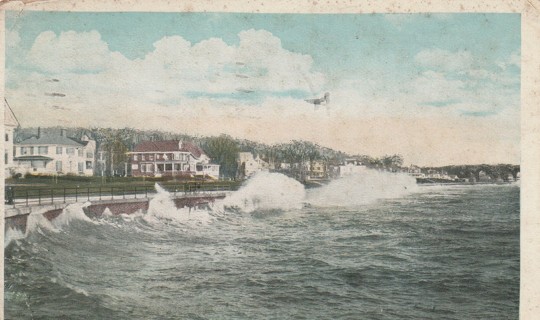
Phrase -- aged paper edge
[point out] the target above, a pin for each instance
(530, 86)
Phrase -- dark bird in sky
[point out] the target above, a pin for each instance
(319, 101)
(55, 94)
(244, 90)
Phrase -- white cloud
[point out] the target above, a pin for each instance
(71, 52)
(515, 59)
(442, 60)
(176, 66)
(364, 116)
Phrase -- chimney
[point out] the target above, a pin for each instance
(180, 145)
(39, 132)
(63, 132)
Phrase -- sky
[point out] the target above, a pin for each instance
(438, 89)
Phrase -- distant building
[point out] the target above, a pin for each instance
(483, 177)
(10, 124)
(318, 169)
(285, 166)
(51, 154)
(351, 166)
(250, 165)
(415, 171)
(171, 158)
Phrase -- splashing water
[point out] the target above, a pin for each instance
(73, 212)
(12, 235)
(363, 188)
(162, 206)
(267, 191)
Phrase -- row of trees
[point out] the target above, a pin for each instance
(115, 143)
(498, 171)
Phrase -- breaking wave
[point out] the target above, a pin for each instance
(267, 191)
(363, 188)
(263, 192)
(162, 206)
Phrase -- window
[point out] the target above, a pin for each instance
(58, 150)
(176, 167)
(89, 155)
(135, 157)
(89, 165)
(80, 152)
(24, 151)
(149, 168)
(151, 157)
(70, 151)
(43, 150)
(168, 167)
(6, 158)
(134, 167)
(59, 166)
(80, 166)
(7, 136)
(31, 150)
(160, 168)
(38, 164)
(143, 168)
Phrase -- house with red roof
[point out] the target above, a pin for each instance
(171, 158)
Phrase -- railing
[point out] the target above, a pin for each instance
(42, 196)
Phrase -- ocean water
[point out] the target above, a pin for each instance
(365, 247)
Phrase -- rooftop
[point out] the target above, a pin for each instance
(169, 146)
(51, 139)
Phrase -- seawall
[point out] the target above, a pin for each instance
(17, 217)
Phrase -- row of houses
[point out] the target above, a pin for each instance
(249, 164)
(438, 175)
(58, 154)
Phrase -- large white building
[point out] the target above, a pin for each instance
(10, 124)
(171, 158)
(51, 154)
(249, 165)
(350, 167)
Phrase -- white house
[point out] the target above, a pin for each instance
(10, 124)
(171, 158)
(51, 154)
(249, 165)
(351, 166)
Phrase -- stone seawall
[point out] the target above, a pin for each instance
(17, 218)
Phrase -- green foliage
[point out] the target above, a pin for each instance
(223, 150)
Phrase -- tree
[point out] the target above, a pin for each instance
(393, 161)
(224, 151)
(115, 147)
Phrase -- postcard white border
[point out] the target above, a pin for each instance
(530, 85)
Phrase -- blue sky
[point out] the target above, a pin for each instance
(463, 68)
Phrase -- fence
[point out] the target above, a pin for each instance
(42, 196)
